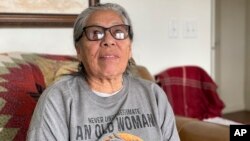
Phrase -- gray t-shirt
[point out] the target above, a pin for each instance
(69, 111)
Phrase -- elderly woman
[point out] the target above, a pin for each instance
(103, 101)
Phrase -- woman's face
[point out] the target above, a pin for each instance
(108, 57)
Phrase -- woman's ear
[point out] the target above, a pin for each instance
(130, 55)
(130, 51)
(78, 51)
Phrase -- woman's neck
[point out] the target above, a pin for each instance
(105, 85)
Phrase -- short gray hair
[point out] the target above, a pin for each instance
(82, 18)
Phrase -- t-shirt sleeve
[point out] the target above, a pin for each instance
(166, 117)
(49, 120)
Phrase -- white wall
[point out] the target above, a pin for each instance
(42, 40)
(153, 47)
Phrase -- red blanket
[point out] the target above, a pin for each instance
(191, 92)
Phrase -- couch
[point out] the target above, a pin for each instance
(24, 76)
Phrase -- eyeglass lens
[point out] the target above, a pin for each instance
(94, 33)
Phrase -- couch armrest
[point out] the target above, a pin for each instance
(195, 130)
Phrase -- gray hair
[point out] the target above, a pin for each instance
(82, 18)
(81, 22)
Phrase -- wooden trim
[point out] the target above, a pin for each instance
(36, 20)
(39, 20)
(93, 2)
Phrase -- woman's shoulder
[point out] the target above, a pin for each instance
(65, 81)
(62, 86)
(136, 80)
(151, 86)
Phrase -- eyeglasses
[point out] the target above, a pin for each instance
(95, 33)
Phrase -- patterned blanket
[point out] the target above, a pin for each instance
(23, 77)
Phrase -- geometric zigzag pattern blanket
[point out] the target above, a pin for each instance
(23, 77)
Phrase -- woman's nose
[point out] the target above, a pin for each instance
(108, 40)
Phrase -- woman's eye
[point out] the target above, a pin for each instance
(97, 34)
(119, 35)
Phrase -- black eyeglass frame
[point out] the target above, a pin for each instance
(105, 29)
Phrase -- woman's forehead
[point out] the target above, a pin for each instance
(104, 17)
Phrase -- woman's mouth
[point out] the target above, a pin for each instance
(108, 57)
